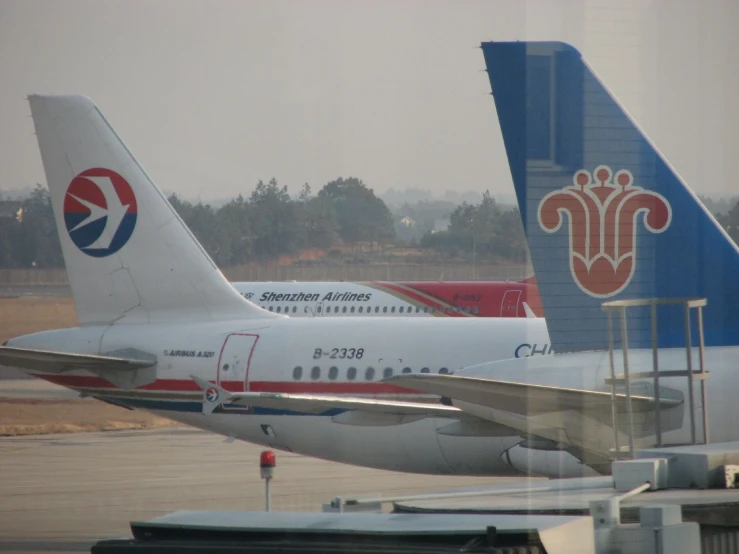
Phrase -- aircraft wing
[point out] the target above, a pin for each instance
(125, 368)
(349, 410)
(523, 398)
(571, 418)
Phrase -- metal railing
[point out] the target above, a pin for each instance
(620, 307)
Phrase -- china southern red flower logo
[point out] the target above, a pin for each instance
(602, 210)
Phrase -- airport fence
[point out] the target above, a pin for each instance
(364, 272)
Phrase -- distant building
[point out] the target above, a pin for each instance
(11, 209)
(407, 221)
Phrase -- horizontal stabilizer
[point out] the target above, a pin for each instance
(214, 396)
(58, 362)
(124, 368)
(523, 398)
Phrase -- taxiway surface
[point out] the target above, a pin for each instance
(62, 493)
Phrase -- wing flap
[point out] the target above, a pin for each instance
(524, 398)
(388, 412)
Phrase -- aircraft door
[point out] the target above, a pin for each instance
(233, 363)
(509, 305)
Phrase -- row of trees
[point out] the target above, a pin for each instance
(483, 231)
(33, 240)
(730, 222)
(271, 222)
(267, 224)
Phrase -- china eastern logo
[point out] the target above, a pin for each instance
(99, 212)
(602, 209)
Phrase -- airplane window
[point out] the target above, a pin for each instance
(467, 310)
(424, 370)
(361, 309)
(377, 309)
(333, 372)
(279, 309)
(351, 373)
(425, 309)
(400, 309)
(387, 373)
(475, 309)
(295, 309)
(343, 309)
(418, 309)
(271, 309)
(318, 309)
(352, 310)
(406, 370)
(369, 374)
(336, 310)
(315, 373)
(384, 309)
(298, 373)
(392, 310)
(305, 309)
(443, 371)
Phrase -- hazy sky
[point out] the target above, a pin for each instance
(212, 96)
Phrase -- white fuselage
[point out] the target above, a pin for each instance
(340, 299)
(392, 299)
(349, 356)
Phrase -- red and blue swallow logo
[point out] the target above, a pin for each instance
(100, 212)
(212, 394)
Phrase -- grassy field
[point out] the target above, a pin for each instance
(24, 315)
(24, 416)
(29, 416)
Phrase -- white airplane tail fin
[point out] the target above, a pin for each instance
(129, 256)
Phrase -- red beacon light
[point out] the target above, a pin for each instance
(267, 463)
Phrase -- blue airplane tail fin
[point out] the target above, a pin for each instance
(607, 218)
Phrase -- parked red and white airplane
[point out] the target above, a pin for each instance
(158, 321)
(396, 299)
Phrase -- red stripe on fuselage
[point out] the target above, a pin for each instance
(487, 297)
